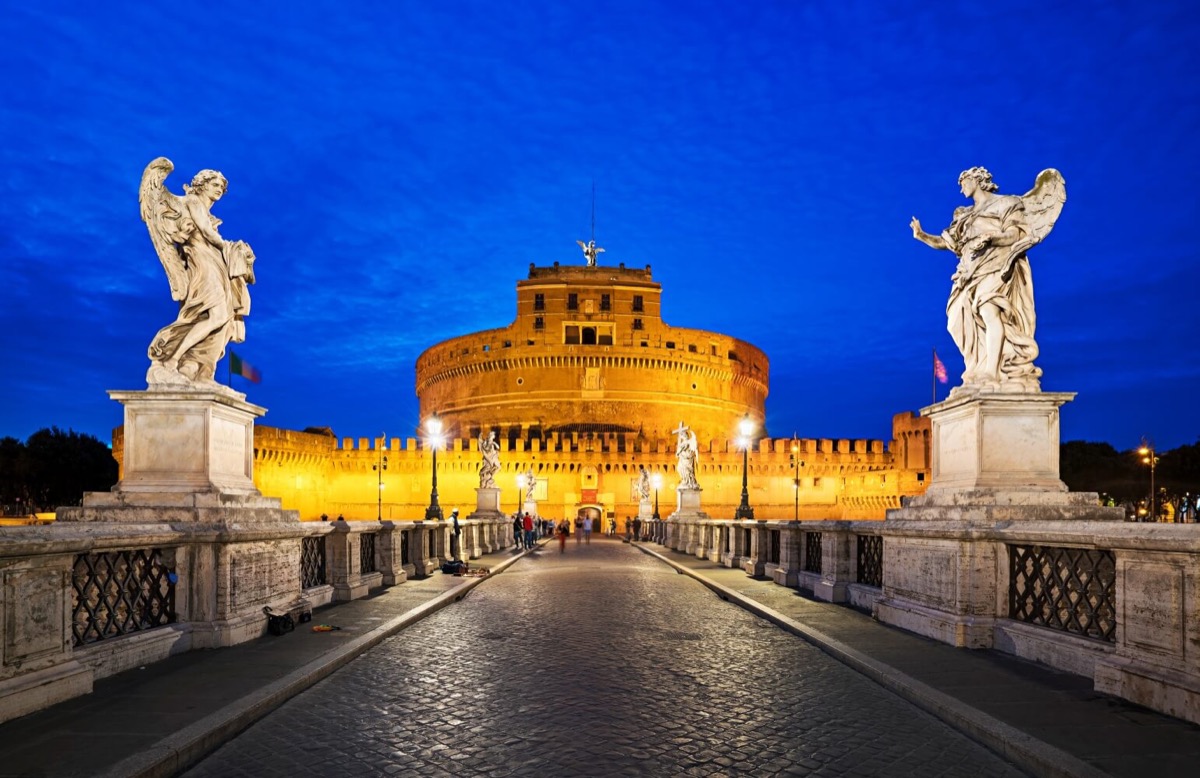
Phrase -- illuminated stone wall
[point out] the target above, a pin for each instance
(839, 479)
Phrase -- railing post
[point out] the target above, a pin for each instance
(836, 564)
(387, 549)
(787, 573)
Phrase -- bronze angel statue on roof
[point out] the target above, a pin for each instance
(990, 311)
(208, 276)
(590, 250)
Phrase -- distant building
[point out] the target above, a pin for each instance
(584, 388)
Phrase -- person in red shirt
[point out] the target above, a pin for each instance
(527, 524)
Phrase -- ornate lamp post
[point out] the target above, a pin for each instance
(796, 481)
(656, 479)
(746, 428)
(379, 467)
(433, 430)
(1148, 458)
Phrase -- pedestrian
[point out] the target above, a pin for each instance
(637, 528)
(564, 530)
(527, 525)
(587, 530)
(578, 530)
(456, 540)
(518, 532)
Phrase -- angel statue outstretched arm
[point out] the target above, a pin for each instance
(990, 313)
(207, 276)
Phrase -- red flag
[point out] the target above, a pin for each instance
(939, 369)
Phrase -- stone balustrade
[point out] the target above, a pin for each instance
(82, 601)
(1110, 601)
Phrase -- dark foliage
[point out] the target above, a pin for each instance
(51, 469)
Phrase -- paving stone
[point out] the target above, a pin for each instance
(601, 661)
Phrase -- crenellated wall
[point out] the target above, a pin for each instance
(314, 474)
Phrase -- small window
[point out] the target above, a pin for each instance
(733, 357)
(920, 478)
(712, 349)
(539, 323)
(637, 304)
(571, 335)
(572, 302)
(691, 349)
(606, 302)
(539, 302)
(645, 344)
(670, 344)
(487, 347)
(508, 344)
(637, 324)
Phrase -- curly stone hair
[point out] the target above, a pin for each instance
(204, 176)
(981, 175)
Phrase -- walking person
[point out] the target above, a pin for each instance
(587, 530)
(527, 524)
(637, 528)
(518, 532)
(564, 529)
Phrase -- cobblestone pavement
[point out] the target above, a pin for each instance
(600, 661)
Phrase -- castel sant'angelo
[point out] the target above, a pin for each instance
(585, 388)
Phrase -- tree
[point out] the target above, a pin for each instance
(1098, 467)
(61, 466)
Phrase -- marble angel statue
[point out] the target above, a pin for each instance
(530, 482)
(990, 311)
(490, 465)
(643, 486)
(208, 276)
(686, 452)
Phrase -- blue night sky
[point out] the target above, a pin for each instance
(397, 166)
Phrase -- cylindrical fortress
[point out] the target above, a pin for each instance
(589, 352)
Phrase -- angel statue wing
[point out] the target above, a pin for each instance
(167, 222)
(1044, 203)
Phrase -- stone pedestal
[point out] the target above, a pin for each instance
(188, 440)
(687, 503)
(530, 507)
(645, 510)
(995, 461)
(188, 468)
(487, 503)
(996, 440)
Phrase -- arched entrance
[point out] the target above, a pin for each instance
(594, 512)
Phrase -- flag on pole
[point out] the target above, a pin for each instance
(244, 369)
(939, 369)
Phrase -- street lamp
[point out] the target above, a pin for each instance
(746, 428)
(379, 467)
(1148, 458)
(796, 481)
(520, 492)
(656, 479)
(433, 430)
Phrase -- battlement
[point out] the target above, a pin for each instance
(591, 274)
